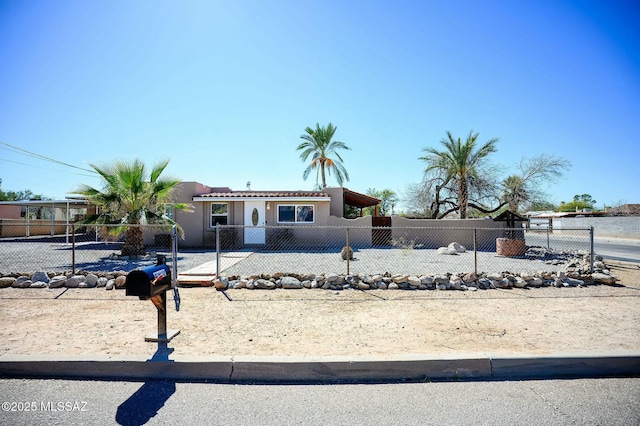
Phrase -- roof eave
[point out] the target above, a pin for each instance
(228, 199)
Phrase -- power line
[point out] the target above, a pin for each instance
(42, 157)
(38, 167)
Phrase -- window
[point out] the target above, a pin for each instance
(295, 214)
(219, 214)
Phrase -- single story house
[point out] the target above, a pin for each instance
(260, 211)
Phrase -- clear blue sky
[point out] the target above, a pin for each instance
(225, 89)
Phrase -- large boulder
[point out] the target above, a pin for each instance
(413, 280)
(520, 282)
(290, 283)
(121, 281)
(90, 281)
(221, 283)
(57, 281)
(6, 282)
(40, 276)
(74, 281)
(470, 278)
(446, 250)
(458, 248)
(601, 278)
(22, 282)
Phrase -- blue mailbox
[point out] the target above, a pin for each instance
(149, 281)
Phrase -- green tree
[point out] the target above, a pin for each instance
(26, 194)
(324, 154)
(580, 202)
(132, 196)
(460, 163)
(388, 199)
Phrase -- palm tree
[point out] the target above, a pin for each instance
(318, 144)
(459, 162)
(131, 197)
(515, 192)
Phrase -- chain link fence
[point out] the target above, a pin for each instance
(27, 247)
(247, 251)
(250, 251)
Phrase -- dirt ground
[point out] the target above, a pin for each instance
(321, 322)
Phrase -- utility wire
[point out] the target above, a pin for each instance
(38, 167)
(42, 157)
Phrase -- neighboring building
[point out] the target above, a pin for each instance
(10, 211)
(40, 217)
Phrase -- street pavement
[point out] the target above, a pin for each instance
(532, 402)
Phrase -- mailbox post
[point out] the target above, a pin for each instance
(152, 283)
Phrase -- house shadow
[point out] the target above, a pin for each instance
(147, 401)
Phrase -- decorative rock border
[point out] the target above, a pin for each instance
(575, 274)
(464, 282)
(42, 279)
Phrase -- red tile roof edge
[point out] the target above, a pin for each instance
(263, 194)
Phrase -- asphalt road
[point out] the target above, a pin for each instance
(626, 250)
(558, 402)
(610, 248)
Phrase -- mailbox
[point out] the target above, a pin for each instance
(149, 281)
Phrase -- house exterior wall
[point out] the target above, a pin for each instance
(337, 201)
(197, 225)
(235, 216)
(192, 223)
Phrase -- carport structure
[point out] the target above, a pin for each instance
(13, 216)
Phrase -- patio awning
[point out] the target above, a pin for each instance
(356, 199)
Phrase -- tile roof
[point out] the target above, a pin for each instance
(263, 194)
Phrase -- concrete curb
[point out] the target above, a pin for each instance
(300, 369)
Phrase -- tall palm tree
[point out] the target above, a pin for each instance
(318, 144)
(459, 162)
(130, 196)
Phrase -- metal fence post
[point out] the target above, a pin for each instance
(591, 249)
(217, 250)
(73, 249)
(349, 251)
(174, 254)
(548, 241)
(475, 251)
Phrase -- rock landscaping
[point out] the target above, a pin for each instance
(576, 273)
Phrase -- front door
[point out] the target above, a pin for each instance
(254, 232)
